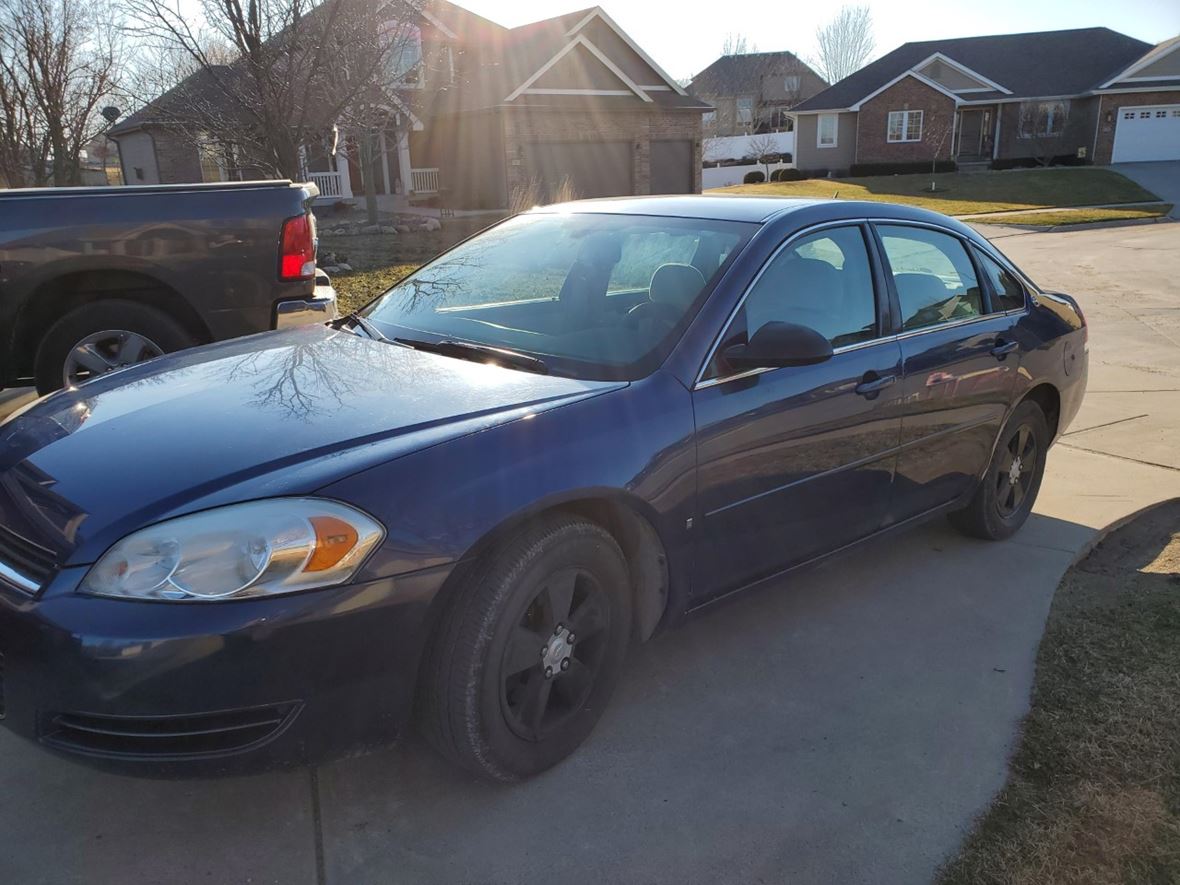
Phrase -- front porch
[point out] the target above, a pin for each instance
(396, 180)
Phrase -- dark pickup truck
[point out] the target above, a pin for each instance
(93, 279)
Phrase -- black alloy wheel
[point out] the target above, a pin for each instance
(1014, 470)
(528, 650)
(553, 654)
(1005, 498)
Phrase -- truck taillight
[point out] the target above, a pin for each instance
(297, 248)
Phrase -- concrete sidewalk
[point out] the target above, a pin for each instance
(844, 726)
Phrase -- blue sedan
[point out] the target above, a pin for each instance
(464, 503)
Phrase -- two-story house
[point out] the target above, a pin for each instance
(752, 92)
(483, 110)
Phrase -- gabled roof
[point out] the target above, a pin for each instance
(182, 100)
(1130, 74)
(506, 75)
(1042, 64)
(742, 74)
(501, 66)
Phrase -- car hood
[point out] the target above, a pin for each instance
(272, 414)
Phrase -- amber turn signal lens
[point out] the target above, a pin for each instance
(334, 538)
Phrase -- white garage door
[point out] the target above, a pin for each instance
(1147, 133)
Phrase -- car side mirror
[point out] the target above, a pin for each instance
(780, 344)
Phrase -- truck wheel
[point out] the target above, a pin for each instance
(528, 651)
(101, 336)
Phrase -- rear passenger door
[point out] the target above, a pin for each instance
(959, 364)
(797, 461)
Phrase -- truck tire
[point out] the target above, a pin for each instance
(101, 336)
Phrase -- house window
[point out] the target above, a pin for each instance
(405, 53)
(1041, 119)
(825, 131)
(904, 126)
(791, 85)
(745, 110)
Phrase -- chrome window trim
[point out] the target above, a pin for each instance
(19, 580)
(702, 383)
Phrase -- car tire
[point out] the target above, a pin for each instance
(114, 315)
(1008, 491)
(495, 696)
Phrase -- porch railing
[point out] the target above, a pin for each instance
(424, 181)
(329, 183)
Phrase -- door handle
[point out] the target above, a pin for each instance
(871, 386)
(1003, 348)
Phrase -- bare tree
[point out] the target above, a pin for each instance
(59, 62)
(154, 68)
(937, 129)
(297, 68)
(764, 149)
(845, 43)
(738, 44)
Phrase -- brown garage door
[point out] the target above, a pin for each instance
(594, 169)
(671, 167)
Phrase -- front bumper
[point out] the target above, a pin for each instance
(199, 689)
(319, 307)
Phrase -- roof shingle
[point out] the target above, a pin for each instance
(1043, 64)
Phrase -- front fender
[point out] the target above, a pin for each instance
(634, 445)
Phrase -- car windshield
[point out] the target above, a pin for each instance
(589, 295)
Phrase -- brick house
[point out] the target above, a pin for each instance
(1080, 96)
(570, 100)
(752, 92)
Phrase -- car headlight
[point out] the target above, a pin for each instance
(260, 548)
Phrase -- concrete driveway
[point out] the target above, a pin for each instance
(1161, 178)
(844, 726)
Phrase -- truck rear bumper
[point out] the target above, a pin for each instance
(319, 307)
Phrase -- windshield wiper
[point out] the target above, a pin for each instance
(370, 330)
(479, 352)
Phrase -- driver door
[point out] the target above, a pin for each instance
(796, 462)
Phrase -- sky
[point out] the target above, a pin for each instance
(684, 36)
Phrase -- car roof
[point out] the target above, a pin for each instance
(759, 210)
(716, 207)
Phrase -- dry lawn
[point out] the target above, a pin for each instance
(1093, 796)
(959, 193)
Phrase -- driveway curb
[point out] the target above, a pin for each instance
(1101, 534)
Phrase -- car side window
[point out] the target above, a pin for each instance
(933, 275)
(1007, 292)
(822, 281)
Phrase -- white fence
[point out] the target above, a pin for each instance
(724, 176)
(737, 147)
(329, 183)
(424, 181)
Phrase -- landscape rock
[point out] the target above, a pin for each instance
(432, 224)
(371, 229)
(388, 229)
